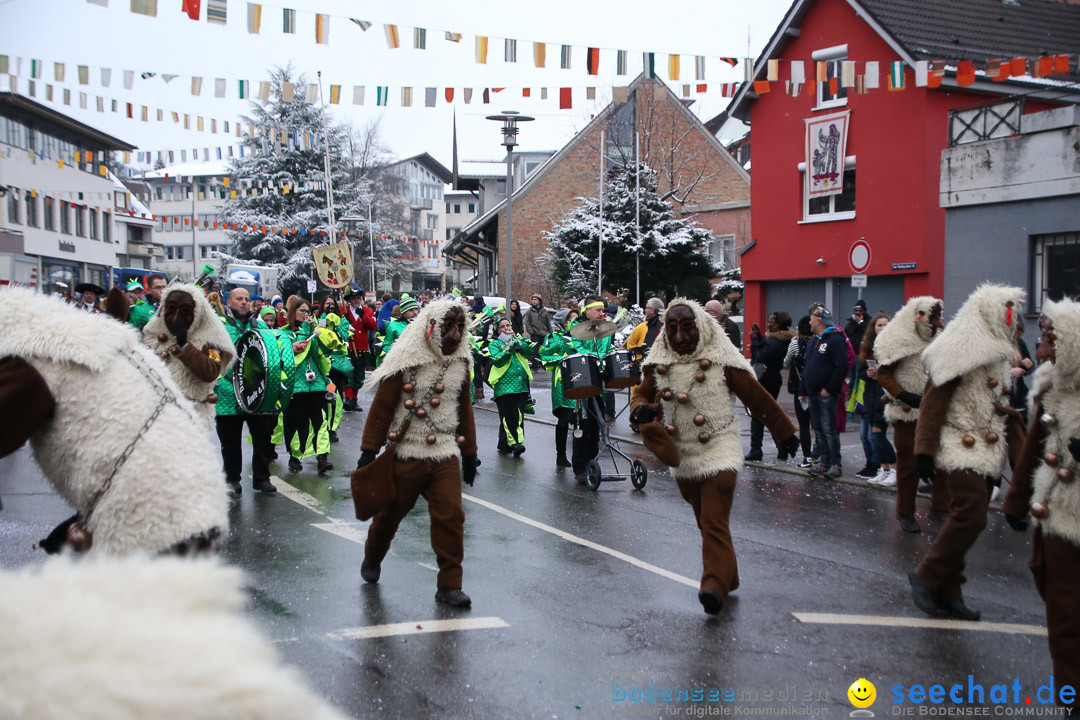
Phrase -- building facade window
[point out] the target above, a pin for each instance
(13, 215)
(457, 208)
(65, 217)
(1055, 268)
(91, 223)
(500, 187)
(472, 208)
(106, 226)
(833, 57)
(722, 250)
(48, 216)
(32, 219)
(80, 221)
(830, 207)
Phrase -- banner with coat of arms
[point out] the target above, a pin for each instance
(334, 264)
(826, 145)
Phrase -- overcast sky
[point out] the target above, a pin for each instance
(79, 33)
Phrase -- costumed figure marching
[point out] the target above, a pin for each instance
(362, 320)
(510, 376)
(194, 344)
(961, 433)
(422, 409)
(137, 463)
(1045, 482)
(902, 375)
(555, 347)
(305, 421)
(685, 409)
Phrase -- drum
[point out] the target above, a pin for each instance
(620, 370)
(580, 376)
(264, 371)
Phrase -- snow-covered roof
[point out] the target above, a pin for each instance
(190, 169)
(137, 210)
(482, 168)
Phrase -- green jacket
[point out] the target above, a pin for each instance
(599, 348)
(226, 404)
(552, 351)
(315, 356)
(140, 314)
(510, 371)
(394, 328)
(339, 357)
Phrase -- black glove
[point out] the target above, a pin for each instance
(910, 399)
(365, 457)
(57, 539)
(1074, 448)
(645, 413)
(925, 466)
(1016, 523)
(180, 333)
(468, 468)
(790, 446)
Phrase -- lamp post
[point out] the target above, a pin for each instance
(351, 223)
(509, 119)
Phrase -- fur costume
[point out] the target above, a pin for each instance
(1057, 388)
(138, 638)
(107, 385)
(712, 398)
(900, 345)
(976, 347)
(417, 355)
(207, 332)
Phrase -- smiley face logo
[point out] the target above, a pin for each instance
(862, 693)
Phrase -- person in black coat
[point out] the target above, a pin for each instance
(855, 328)
(769, 350)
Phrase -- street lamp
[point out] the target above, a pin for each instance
(509, 119)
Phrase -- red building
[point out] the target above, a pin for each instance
(889, 198)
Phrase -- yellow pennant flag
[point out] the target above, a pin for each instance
(481, 49)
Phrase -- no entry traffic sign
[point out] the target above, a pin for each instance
(859, 256)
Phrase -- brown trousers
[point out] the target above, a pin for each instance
(711, 500)
(440, 484)
(942, 570)
(907, 475)
(1055, 563)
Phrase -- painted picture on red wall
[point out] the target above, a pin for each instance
(826, 145)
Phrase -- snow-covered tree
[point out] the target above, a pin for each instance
(280, 183)
(668, 250)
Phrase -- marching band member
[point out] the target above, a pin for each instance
(510, 376)
(555, 347)
(305, 416)
(591, 412)
(406, 310)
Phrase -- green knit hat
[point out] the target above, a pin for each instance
(408, 303)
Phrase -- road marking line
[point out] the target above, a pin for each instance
(912, 622)
(584, 543)
(429, 566)
(356, 532)
(418, 628)
(299, 496)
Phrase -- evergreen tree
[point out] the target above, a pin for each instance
(280, 183)
(668, 249)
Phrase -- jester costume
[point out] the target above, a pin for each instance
(509, 379)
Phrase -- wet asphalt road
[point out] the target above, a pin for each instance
(577, 591)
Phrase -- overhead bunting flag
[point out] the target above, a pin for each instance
(392, 39)
(772, 71)
(730, 61)
(419, 41)
(382, 95)
(311, 96)
(362, 24)
(896, 75)
(144, 7)
(481, 49)
(922, 72)
(449, 94)
(254, 18)
(592, 61)
(358, 95)
(620, 62)
(216, 11)
(429, 96)
(699, 67)
(539, 54)
(406, 97)
(873, 75)
(288, 89)
(288, 19)
(847, 73)
(965, 73)
(196, 86)
(335, 94)
(322, 29)
(565, 101)
(648, 61)
(510, 51)
(191, 9)
(564, 57)
(243, 89)
(453, 36)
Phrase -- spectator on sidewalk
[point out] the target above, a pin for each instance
(716, 310)
(822, 386)
(768, 349)
(796, 361)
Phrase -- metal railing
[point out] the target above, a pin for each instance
(984, 122)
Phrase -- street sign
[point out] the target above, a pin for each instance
(311, 286)
(858, 281)
(369, 296)
(859, 256)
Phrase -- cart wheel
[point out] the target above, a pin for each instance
(592, 475)
(639, 474)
